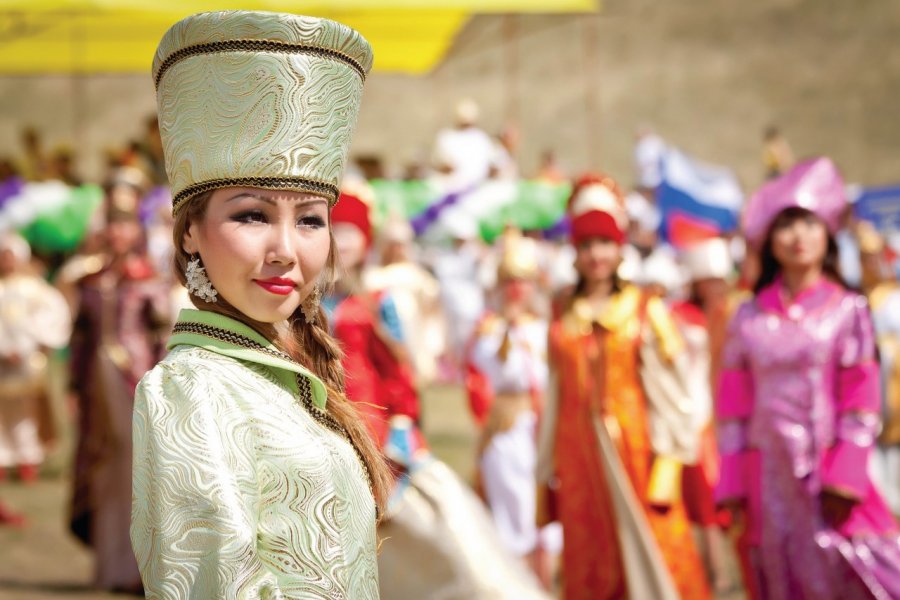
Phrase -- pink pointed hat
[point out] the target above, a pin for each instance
(813, 184)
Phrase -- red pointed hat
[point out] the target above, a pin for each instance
(597, 209)
(353, 208)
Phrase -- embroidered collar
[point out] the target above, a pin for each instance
(224, 335)
(616, 314)
(623, 315)
(817, 297)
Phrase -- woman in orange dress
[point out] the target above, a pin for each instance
(615, 435)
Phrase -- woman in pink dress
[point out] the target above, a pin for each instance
(798, 406)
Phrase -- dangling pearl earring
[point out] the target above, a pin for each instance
(197, 281)
(310, 306)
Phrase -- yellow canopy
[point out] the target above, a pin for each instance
(120, 36)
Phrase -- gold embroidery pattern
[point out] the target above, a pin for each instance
(306, 395)
(297, 184)
(328, 421)
(239, 493)
(256, 46)
(230, 337)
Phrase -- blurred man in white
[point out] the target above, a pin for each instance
(457, 269)
(34, 317)
(464, 154)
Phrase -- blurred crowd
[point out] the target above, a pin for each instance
(452, 310)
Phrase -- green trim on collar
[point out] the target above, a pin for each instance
(223, 335)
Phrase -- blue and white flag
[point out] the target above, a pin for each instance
(697, 201)
(880, 206)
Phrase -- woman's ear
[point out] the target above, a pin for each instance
(189, 240)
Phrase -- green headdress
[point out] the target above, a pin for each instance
(258, 99)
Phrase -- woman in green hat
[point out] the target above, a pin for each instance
(253, 474)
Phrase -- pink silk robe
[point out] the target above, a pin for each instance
(798, 410)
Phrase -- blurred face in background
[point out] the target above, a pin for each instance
(517, 290)
(394, 252)
(750, 268)
(643, 239)
(597, 258)
(875, 268)
(711, 290)
(263, 251)
(799, 240)
(124, 232)
(123, 236)
(9, 262)
(351, 245)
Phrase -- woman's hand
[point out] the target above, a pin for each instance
(836, 508)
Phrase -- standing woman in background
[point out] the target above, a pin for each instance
(253, 474)
(433, 519)
(798, 405)
(373, 341)
(34, 319)
(618, 423)
(121, 316)
(506, 379)
(702, 320)
(880, 285)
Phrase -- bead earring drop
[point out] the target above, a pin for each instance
(310, 306)
(198, 283)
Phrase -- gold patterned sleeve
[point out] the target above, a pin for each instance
(195, 491)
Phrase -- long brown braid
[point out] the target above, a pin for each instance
(311, 345)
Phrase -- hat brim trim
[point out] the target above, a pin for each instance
(267, 46)
(296, 184)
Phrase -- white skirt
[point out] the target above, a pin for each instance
(508, 476)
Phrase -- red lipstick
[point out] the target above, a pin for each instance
(276, 285)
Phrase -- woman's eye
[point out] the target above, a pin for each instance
(250, 216)
(312, 222)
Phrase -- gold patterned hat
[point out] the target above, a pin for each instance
(519, 256)
(258, 99)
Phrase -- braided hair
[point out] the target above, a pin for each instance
(309, 344)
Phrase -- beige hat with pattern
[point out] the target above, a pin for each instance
(258, 99)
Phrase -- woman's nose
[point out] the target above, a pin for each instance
(281, 245)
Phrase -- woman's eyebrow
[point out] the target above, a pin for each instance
(251, 195)
(269, 200)
(311, 201)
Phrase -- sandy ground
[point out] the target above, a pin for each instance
(42, 561)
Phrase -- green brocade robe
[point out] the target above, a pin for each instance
(241, 489)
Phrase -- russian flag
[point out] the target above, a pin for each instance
(697, 201)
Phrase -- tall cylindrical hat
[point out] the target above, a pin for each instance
(258, 99)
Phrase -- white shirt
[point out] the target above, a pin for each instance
(468, 152)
